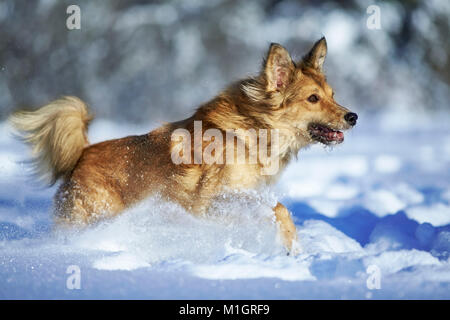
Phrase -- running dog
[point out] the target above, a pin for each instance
(288, 98)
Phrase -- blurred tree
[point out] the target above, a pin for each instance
(143, 61)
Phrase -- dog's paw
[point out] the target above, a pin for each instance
(295, 249)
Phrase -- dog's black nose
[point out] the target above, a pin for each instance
(351, 118)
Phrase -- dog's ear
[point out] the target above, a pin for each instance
(316, 56)
(278, 68)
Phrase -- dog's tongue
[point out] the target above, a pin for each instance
(335, 135)
(327, 134)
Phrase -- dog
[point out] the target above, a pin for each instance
(99, 181)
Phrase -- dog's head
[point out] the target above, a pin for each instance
(297, 96)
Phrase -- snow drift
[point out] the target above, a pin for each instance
(381, 199)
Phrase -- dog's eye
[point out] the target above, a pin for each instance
(313, 98)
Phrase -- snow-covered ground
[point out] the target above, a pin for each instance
(371, 213)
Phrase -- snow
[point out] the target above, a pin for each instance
(387, 164)
(247, 266)
(381, 199)
(437, 214)
(123, 261)
(393, 261)
(318, 237)
(382, 202)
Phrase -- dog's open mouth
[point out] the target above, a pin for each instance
(324, 134)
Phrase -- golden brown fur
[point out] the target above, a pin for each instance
(57, 134)
(101, 180)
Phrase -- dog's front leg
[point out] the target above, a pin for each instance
(287, 229)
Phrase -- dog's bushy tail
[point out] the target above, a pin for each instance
(57, 133)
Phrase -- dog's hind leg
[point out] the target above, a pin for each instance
(287, 229)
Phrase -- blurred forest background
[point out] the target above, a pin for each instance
(145, 61)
